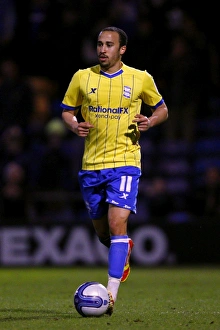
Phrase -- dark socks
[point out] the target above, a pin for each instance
(106, 241)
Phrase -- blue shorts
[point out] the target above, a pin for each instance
(117, 186)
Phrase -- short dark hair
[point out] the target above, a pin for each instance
(123, 38)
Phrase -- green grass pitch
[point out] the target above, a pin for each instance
(152, 298)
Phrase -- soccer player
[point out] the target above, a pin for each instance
(109, 96)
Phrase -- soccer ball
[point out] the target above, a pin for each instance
(91, 299)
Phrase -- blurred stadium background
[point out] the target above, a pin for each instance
(42, 216)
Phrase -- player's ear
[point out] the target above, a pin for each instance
(122, 50)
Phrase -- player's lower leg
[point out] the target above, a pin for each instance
(117, 257)
(127, 268)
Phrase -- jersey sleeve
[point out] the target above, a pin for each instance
(150, 93)
(73, 98)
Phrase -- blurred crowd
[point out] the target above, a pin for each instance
(42, 43)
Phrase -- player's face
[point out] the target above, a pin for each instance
(109, 51)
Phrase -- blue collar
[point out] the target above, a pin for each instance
(111, 75)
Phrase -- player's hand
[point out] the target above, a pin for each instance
(83, 129)
(143, 122)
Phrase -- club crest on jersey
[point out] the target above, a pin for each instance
(127, 92)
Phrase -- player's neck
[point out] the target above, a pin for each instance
(113, 69)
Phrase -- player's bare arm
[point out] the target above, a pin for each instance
(70, 120)
(158, 116)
